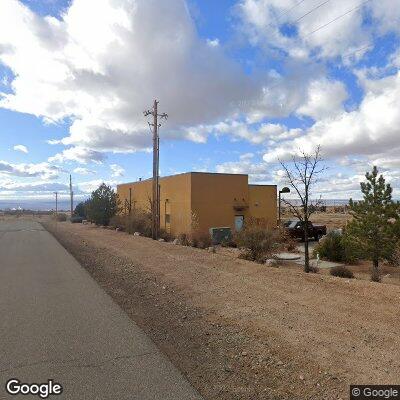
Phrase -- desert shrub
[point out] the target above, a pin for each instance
(60, 217)
(288, 242)
(200, 240)
(257, 241)
(136, 221)
(342, 272)
(331, 247)
(183, 239)
(139, 221)
(313, 269)
(395, 257)
(194, 242)
(163, 234)
(229, 243)
(119, 221)
(337, 247)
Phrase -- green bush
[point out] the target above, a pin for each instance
(257, 240)
(337, 247)
(81, 209)
(342, 272)
(102, 205)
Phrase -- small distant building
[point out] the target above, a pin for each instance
(198, 201)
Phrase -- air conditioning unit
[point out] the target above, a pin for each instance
(220, 235)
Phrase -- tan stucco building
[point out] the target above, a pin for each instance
(197, 201)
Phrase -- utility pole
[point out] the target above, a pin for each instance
(155, 205)
(71, 193)
(56, 193)
(130, 200)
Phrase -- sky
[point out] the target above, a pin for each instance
(246, 85)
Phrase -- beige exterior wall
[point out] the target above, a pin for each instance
(262, 203)
(199, 201)
(174, 200)
(214, 197)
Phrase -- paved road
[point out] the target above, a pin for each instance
(56, 322)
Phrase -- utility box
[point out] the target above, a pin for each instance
(220, 235)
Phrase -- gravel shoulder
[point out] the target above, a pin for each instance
(239, 330)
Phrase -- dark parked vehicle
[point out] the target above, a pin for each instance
(296, 230)
(76, 219)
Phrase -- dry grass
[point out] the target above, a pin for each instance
(332, 219)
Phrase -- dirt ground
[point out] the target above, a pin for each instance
(240, 330)
(332, 218)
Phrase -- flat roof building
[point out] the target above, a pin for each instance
(198, 201)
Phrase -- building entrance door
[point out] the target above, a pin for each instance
(239, 221)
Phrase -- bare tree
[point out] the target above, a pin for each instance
(302, 174)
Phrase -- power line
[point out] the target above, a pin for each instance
(311, 11)
(290, 9)
(337, 18)
(357, 50)
(364, 47)
(304, 15)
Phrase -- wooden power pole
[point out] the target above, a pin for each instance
(71, 193)
(155, 204)
(56, 193)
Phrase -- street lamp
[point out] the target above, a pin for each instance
(284, 190)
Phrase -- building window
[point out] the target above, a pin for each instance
(167, 218)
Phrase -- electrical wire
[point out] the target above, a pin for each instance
(311, 11)
(357, 50)
(336, 19)
(290, 9)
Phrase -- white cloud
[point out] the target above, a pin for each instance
(84, 171)
(78, 154)
(371, 130)
(11, 186)
(21, 148)
(43, 170)
(117, 170)
(324, 99)
(264, 23)
(253, 133)
(103, 77)
(246, 156)
(213, 42)
(258, 172)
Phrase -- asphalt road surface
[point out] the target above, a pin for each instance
(57, 323)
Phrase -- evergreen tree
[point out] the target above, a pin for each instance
(103, 204)
(373, 228)
(80, 209)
